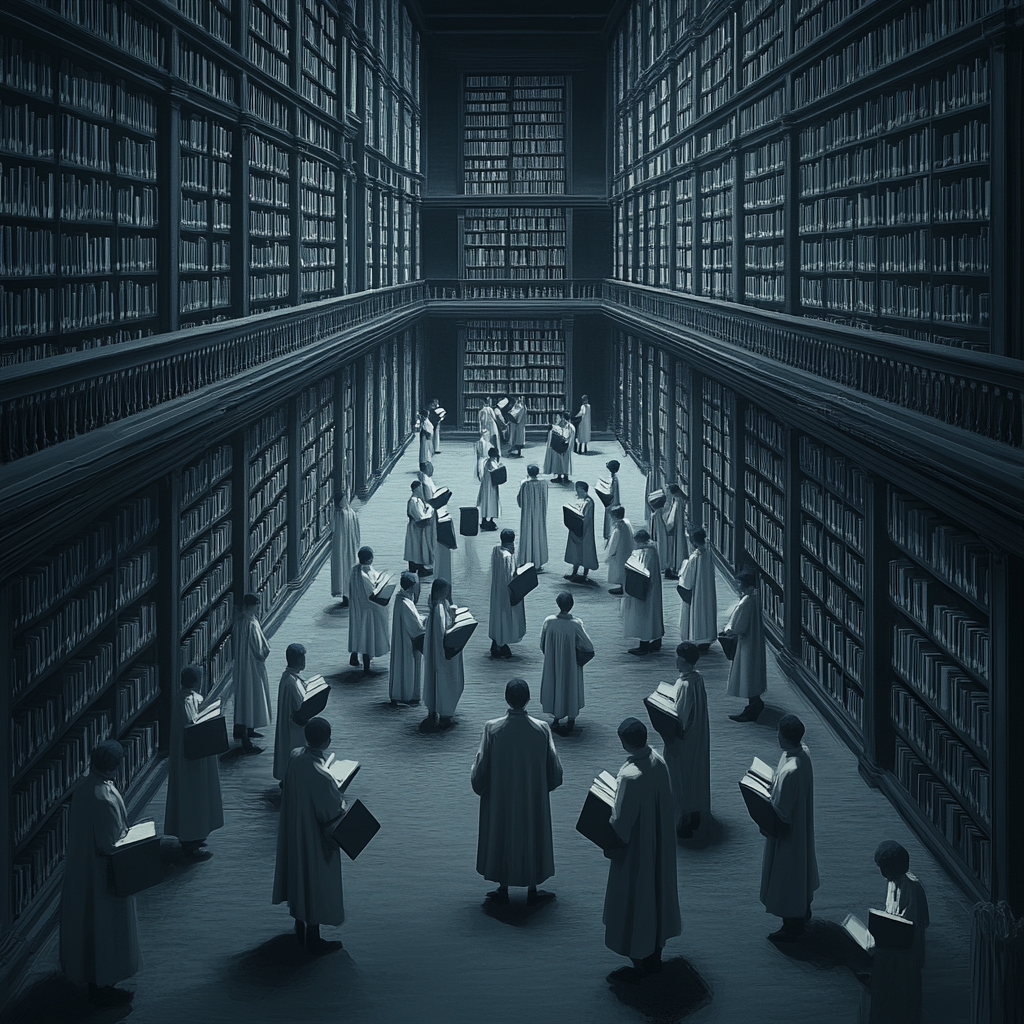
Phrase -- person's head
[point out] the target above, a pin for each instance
(687, 655)
(439, 589)
(508, 538)
(560, 416)
(341, 500)
(612, 466)
(585, 399)
(747, 580)
(295, 654)
(565, 414)
(427, 467)
(532, 471)
(318, 733)
(699, 536)
(641, 536)
(191, 677)
(632, 735)
(892, 860)
(564, 601)
(517, 693)
(365, 553)
(416, 486)
(408, 580)
(791, 732)
(582, 488)
(617, 512)
(434, 403)
(250, 603)
(106, 758)
(675, 490)
(492, 452)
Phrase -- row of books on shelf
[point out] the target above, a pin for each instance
(202, 254)
(268, 287)
(202, 135)
(268, 493)
(768, 494)
(314, 428)
(268, 577)
(196, 601)
(773, 604)
(267, 461)
(32, 252)
(766, 528)
(214, 293)
(135, 575)
(831, 635)
(135, 691)
(769, 464)
(541, 374)
(319, 457)
(846, 608)
(205, 551)
(270, 522)
(767, 560)
(200, 516)
(832, 681)
(133, 634)
(140, 750)
(36, 865)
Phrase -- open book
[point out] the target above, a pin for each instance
(207, 734)
(656, 499)
(207, 711)
(524, 579)
(457, 635)
(436, 415)
(638, 578)
(343, 771)
(383, 589)
(135, 861)
(317, 691)
(440, 498)
(594, 820)
(603, 489)
(573, 517)
(138, 833)
(661, 708)
(883, 931)
(756, 789)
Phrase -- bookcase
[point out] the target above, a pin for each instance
(318, 251)
(316, 455)
(717, 198)
(267, 446)
(270, 38)
(764, 222)
(718, 418)
(682, 397)
(270, 223)
(517, 243)
(347, 416)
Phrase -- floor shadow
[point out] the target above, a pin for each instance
(54, 1000)
(356, 676)
(666, 998)
(271, 798)
(427, 728)
(337, 608)
(276, 963)
(518, 913)
(824, 945)
(715, 834)
(769, 718)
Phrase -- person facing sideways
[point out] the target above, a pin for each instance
(620, 547)
(307, 873)
(426, 437)
(698, 614)
(656, 523)
(641, 901)
(581, 552)
(482, 447)
(515, 769)
(290, 694)
(563, 641)
(789, 869)
(367, 620)
(426, 478)
(506, 622)
(688, 755)
(583, 430)
(345, 541)
(420, 518)
(559, 464)
(613, 479)
(99, 931)
(487, 499)
(894, 996)
(436, 439)
(644, 618)
(193, 809)
(748, 674)
(252, 687)
(491, 419)
(517, 426)
(406, 661)
(532, 499)
(675, 531)
(443, 679)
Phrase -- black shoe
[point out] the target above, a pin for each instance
(366, 663)
(354, 660)
(254, 735)
(108, 995)
(615, 590)
(251, 748)
(424, 572)
(344, 603)
(498, 896)
(495, 650)
(656, 644)
(639, 651)
(743, 716)
(535, 897)
(321, 947)
(445, 723)
(703, 648)
(506, 651)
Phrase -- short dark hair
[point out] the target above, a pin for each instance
(295, 653)
(641, 536)
(507, 536)
(613, 465)
(699, 536)
(633, 732)
(532, 470)
(492, 452)
(107, 756)
(250, 601)
(517, 693)
(192, 677)
(365, 555)
(584, 485)
(317, 731)
(892, 859)
(438, 587)
(617, 512)
(746, 578)
(791, 729)
(415, 484)
(688, 652)
(408, 580)
(564, 600)
(674, 489)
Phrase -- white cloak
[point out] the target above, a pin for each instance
(417, 532)
(516, 768)
(689, 757)
(620, 547)
(583, 430)
(644, 619)
(193, 809)
(483, 446)
(287, 735)
(345, 543)
(506, 622)
(406, 623)
(367, 620)
(517, 425)
(487, 498)
(426, 441)
(307, 875)
(561, 681)
(533, 522)
(488, 418)
(252, 687)
(608, 521)
(443, 680)
(698, 619)
(676, 548)
(429, 490)
(582, 551)
(560, 465)
(748, 675)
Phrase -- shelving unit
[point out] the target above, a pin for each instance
(270, 38)
(316, 458)
(516, 243)
(718, 415)
(765, 29)
(683, 390)
(717, 69)
(318, 250)
(717, 199)
(684, 238)
(347, 454)
(270, 223)
(266, 444)
(764, 222)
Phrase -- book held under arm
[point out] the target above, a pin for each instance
(756, 790)
(656, 499)
(457, 635)
(638, 578)
(661, 708)
(685, 593)
(595, 819)
(559, 442)
(135, 862)
(446, 531)
(383, 589)
(417, 642)
(317, 691)
(603, 489)
(207, 734)
(572, 516)
(440, 498)
(342, 770)
(436, 415)
(584, 652)
(355, 829)
(728, 642)
(524, 579)
(498, 475)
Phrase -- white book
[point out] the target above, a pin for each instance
(137, 833)
(207, 712)
(858, 931)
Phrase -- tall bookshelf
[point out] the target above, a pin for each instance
(718, 418)
(270, 38)
(347, 427)
(266, 444)
(318, 249)
(764, 222)
(684, 237)
(682, 396)
(516, 243)
(717, 199)
(270, 223)
(316, 462)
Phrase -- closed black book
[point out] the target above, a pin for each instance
(638, 579)
(756, 789)
(355, 830)
(446, 531)
(603, 489)
(684, 593)
(728, 644)
(574, 520)
(584, 655)
(890, 931)
(595, 818)
(383, 589)
(469, 521)
(417, 642)
(457, 635)
(498, 475)
(440, 498)
(656, 499)
(135, 862)
(661, 709)
(208, 737)
(523, 581)
(317, 692)
(559, 442)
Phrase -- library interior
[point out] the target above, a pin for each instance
(257, 257)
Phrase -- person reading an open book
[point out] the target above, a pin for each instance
(533, 520)
(643, 617)
(748, 674)
(789, 868)
(698, 613)
(566, 647)
(193, 809)
(406, 626)
(688, 755)
(307, 872)
(345, 541)
(581, 549)
(620, 547)
(291, 692)
(419, 515)
(506, 622)
(444, 679)
(367, 620)
(559, 463)
(252, 687)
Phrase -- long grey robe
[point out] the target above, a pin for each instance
(506, 622)
(789, 869)
(252, 687)
(620, 547)
(644, 619)
(641, 901)
(287, 735)
(748, 675)
(554, 463)
(561, 682)
(426, 441)
(517, 425)
(482, 447)
(443, 565)
(193, 809)
(307, 875)
(429, 490)
(418, 531)
(367, 620)
(616, 500)
(533, 522)
(345, 541)
(583, 430)
(443, 680)
(489, 418)
(99, 933)
(406, 623)
(582, 551)
(689, 757)
(698, 618)
(516, 768)
(676, 548)
(487, 498)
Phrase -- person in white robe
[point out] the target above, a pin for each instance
(490, 418)
(345, 541)
(656, 521)
(443, 555)
(688, 754)
(748, 674)
(565, 645)
(426, 429)
(583, 430)
(644, 619)
(487, 498)
(506, 622)
(420, 520)
(613, 478)
(533, 520)
(894, 996)
(641, 902)
(252, 687)
(99, 931)
(193, 809)
(444, 679)
(676, 550)
(426, 478)
(581, 552)
(559, 464)
(515, 769)
(434, 406)
(480, 449)
(516, 426)
(698, 614)
(307, 872)
(406, 662)
(291, 692)
(620, 547)
(367, 620)
(789, 868)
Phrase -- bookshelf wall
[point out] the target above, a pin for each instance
(267, 448)
(521, 243)
(316, 457)
(718, 418)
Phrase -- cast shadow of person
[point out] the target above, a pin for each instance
(277, 963)
(54, 998)
(677, 992)
(826, 944)
(518, 913)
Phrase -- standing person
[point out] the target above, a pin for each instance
(748, 674)
(789, 868)
(517, 426)
(252, 687)
(562, 641)
(613, 479)
(435, 446)
(657, 528)
(367, 621)
(491, 419)
(406, 661)
(426, 478)
(99, 932)
(487, 499)
(345, 541)
(506, 622)
(620, 547)
(193, 809)
(420, 518)
(515, 769)
(688, 755)
(698, 616)
(581, 552)
(533, 521)
(583, 431)
(291, 692)
(426, 437)
(644, 619)
(641, 901)
(443, 679)
(481, 448)
(676, 551)
(307, 872)
(559, 464)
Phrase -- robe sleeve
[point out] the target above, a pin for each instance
(686, 707)
(626, 809)
(739, 622)
(328, 803)
(785, 793)
(554, 762)
(480, 779)
(688, 575)
(519, 496)
(583, 641)
(543, 636)
(262, 647)
(109, 822)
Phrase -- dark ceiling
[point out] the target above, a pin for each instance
(516, 17)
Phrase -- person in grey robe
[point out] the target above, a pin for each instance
(406, 626)
(426, 478)
(367, 620)
(644, 618)
(345, 541)
(488, 498)
(444, 679)
(583, 430)
(688, 754)
(698, 612)
(613, 479)
(559, 464)
(490, 418)
(748, 674)
(532, 499)
(419, 515)
(515, 769)
(426, 434)
(676, 550)
(252, 687)
(517, 426)
(620, 547)
(565, 645)
(480, 450)
(291, 693)
(506, 622)
(581, 552)
(435, 446)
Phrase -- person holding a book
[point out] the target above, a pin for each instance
(581, 548)
(420, 516)
(481, 448)
(307, 872)
(193, 809)
(99, 931)
(506, 622)
(516, 426)
(641, 902)
(444, 678)
(426, 437)
(487, 498)
(698, 614)
(643, 617)
(406, 632)
(619, 547)
(252, 687)
(435, 412)
(367, 618)
(558, 453)
(566, 647)
(583, 429)
(515, 770)
(426, 478)
(345, 541)
(291, 692)
(655, 501)
(675, 531)
(613, 486)
(491, 420)
(748, 674)
(789, 869)
(532, 499)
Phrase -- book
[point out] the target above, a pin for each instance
(317, 691)
(457, 635)
(656, 499)
(503, 404)
(685, 593)
(469, 521)
(603, 489)
(498, 475)
(436, 415)
(440, 498)
(728, 644)
(858, 931)
(518, 413)
(342, 770)
(355, 829)
(661, 709)
(572, 516)
(584, 655)
(422, 516)
(524, 579)
(756, 790)
(135, 862)
(207, 735)
(417, 642)
(559, 442)
(383, 589)
(890, 931)
(638, 578)
(595, 818)
(446, 531)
